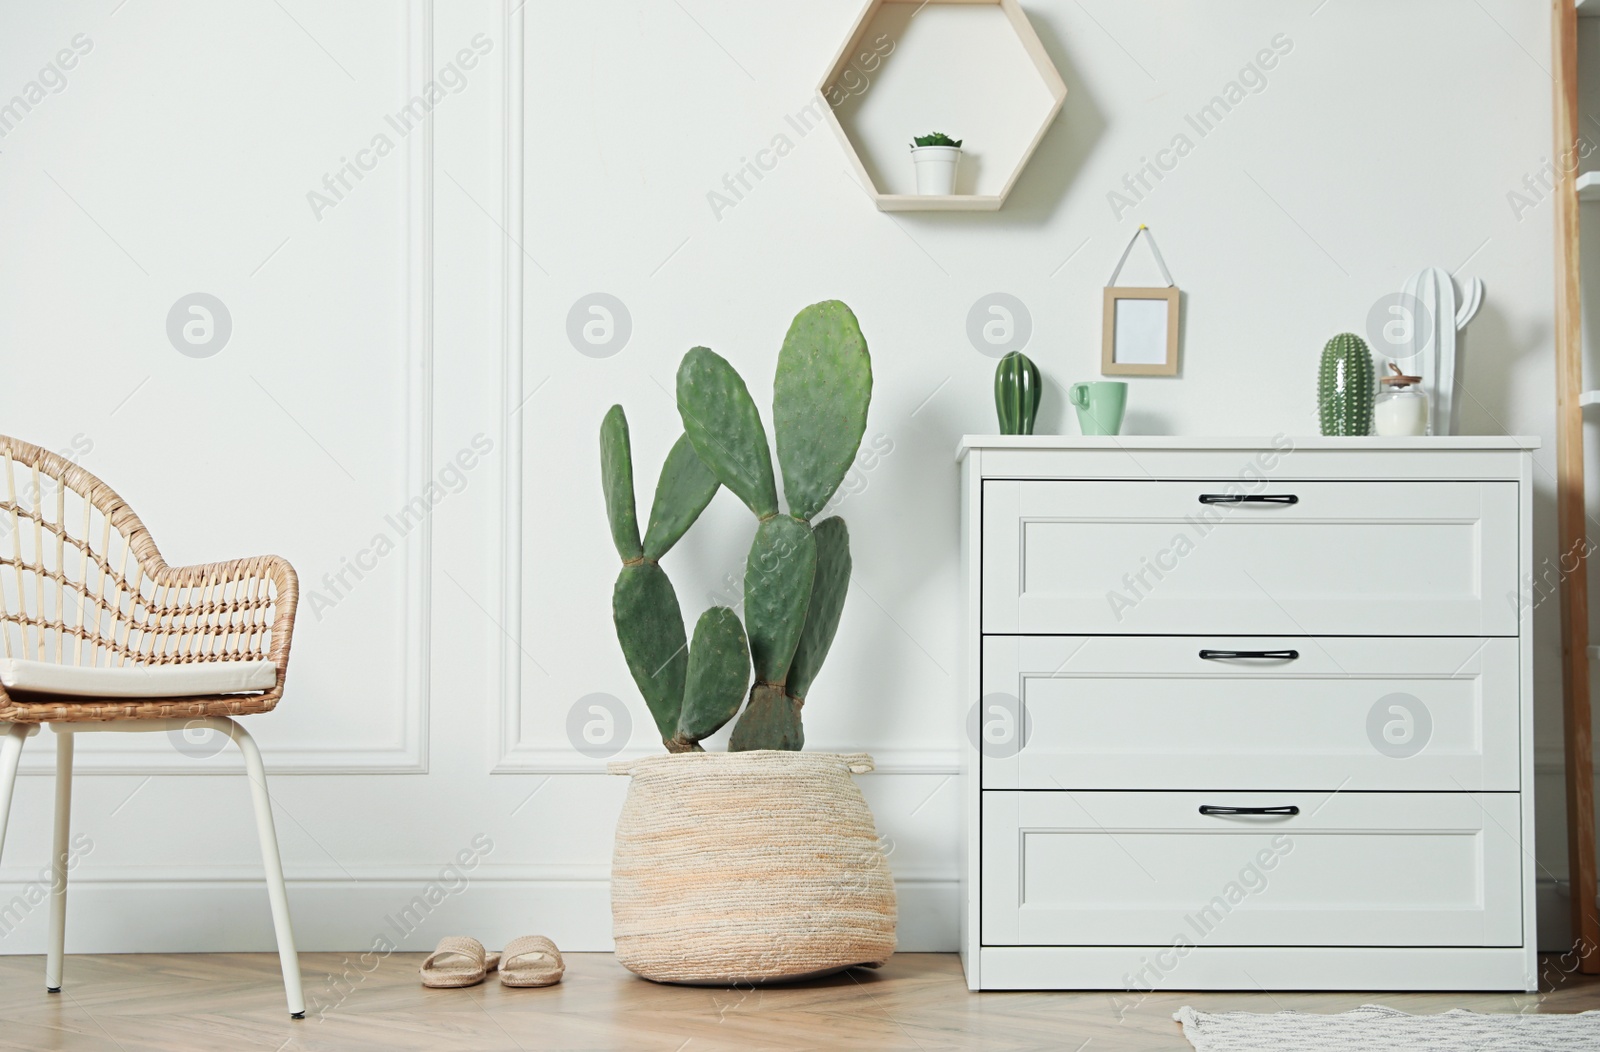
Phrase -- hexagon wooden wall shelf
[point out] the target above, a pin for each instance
(957, 60)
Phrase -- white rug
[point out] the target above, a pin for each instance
(1374, 1028)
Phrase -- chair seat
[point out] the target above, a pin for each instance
(138, 681)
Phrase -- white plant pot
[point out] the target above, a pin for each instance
(936, 168)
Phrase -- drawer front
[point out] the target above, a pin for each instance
(1347, 558)
(1350, 869)
(1149, 712)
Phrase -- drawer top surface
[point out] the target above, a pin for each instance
(1370, 444)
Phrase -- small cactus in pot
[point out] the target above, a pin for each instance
(935, 157)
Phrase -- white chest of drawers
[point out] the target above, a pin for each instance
(1247, 714)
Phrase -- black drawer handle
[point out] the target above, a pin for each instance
(1210, 809)
(1249, 655)
(1250, 498)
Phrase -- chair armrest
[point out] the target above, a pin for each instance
(241, 609)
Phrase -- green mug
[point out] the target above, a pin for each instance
(1100, 405)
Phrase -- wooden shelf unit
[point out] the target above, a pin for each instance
(829, 91)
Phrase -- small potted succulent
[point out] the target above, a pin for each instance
(761, 863)
(936, 156)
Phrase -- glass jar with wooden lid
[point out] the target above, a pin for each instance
(1402, 408)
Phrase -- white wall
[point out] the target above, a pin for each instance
(1386, 139)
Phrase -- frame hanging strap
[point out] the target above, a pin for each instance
(1165, 273)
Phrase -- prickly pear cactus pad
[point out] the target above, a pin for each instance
(719, 674)
(1345, 386)
(616, 478)
(828, 589)
(650, 629)
(686, 487)
(819, 403)
(722, 422)
(770, 721)
(777, 590)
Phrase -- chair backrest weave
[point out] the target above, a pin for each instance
(82, 582)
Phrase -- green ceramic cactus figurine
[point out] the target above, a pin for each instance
(1345, 386)
(796, 575)
(693, 690)
(1017, 388)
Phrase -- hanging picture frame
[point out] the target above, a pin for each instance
(1139, 326)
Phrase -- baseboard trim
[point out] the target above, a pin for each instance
(224, 909)
(406, 911)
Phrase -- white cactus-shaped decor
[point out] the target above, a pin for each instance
(1435, 346)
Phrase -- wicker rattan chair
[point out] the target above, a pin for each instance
(100, 634)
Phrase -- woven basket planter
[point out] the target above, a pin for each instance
(748, 867)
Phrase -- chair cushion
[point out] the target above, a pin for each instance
(138, 681)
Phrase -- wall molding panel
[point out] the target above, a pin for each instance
(511, 752)
(402, 746)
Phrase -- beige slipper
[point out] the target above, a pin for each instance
(456, 962)
(532, 960)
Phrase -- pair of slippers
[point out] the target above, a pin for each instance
(532, 960)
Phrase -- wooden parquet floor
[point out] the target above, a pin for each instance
(234, 1003)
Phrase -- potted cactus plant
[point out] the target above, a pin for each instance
(697, 826)
(936, 157)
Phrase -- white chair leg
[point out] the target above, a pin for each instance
(58, 863)
(11, 739)
(277, 892)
